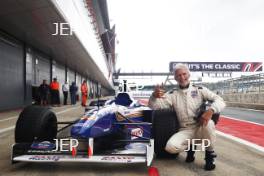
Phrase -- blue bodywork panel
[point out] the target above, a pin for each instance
(115, 117)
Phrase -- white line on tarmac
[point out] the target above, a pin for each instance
(7, 129)
(10, 118)
(242, 120)
(13, 127)
(13, 117)
(241, 141)
(67, 110)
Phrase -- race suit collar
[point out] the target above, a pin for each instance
(184, 87)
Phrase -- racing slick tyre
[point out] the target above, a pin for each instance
(164, 125)
(36, 123)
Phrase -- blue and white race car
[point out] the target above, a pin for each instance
(121, 131)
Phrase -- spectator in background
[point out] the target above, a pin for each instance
(84, 90)
(77, 94)
(65, 90)
(73, 91)
(43, 92)
(55, 93)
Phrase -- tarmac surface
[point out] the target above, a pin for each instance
(251, 115)
(233, 158)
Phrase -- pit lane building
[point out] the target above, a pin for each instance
(41, 39)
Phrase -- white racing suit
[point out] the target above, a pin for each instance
(186, 102)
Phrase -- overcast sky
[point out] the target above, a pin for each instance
(152, 33)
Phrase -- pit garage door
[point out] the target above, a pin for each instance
(12, 74)
(71, 76)
(78, 79)
(58, 71)
(79, 83)
(40, 72)
(41, 68)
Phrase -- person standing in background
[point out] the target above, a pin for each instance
(55, 93)
(73, 91)
(43, 92)
(65, 89)
(84, 90)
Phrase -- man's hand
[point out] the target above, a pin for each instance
(206, 116)
(159, 91)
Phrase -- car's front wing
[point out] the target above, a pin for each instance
(79, 158)
(126, 156)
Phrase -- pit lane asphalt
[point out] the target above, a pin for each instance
(233, 158)
(256, 116)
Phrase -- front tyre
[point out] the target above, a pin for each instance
(36, 123)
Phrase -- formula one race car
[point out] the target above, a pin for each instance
(120, 131)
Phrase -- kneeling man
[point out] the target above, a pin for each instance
(185, 100)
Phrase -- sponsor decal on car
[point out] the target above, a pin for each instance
(136, 132)
(120, 117)
(33, 151)
(118, 158)
(107, 129)
(43, 145)
(45, 158)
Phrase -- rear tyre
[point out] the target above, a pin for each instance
(36, 123)
(164, 125)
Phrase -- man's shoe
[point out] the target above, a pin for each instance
(190, 155)
(209, 160)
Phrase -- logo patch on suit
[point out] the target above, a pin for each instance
(194, 93)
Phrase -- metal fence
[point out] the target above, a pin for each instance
(243, 84)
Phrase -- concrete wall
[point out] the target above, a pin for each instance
(245, 100)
